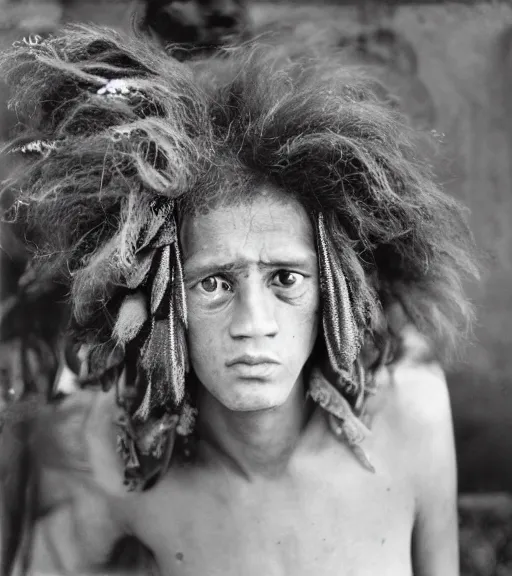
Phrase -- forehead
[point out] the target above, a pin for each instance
(268, 224)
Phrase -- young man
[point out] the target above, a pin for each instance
(251, 248)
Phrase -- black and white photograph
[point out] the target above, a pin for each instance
(255, 288)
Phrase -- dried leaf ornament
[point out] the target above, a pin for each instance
(342, 420)
(146, 449)
(153, 268)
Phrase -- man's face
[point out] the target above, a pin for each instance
(253, 297)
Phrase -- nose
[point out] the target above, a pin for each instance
(253, 313)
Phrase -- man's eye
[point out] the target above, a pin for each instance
(288, 279)
(213, 283)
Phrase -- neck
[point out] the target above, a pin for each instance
(258, 443)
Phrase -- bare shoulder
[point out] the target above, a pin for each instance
(79, 469)
(75, 470)
(77, 437)
(415, 418)
(413, 393)
(420, 395)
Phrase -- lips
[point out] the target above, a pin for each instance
(252, 360)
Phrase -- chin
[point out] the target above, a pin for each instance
(253, 396)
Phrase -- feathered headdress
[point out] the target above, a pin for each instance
(109, 147)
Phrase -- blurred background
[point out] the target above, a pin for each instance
(448, 65)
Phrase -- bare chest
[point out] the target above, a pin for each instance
(334, 521)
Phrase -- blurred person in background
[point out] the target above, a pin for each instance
(197, 26)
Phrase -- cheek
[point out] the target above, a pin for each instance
(200, 338)
(205, 344)
(300, 321)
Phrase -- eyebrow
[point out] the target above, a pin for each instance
(206, 269)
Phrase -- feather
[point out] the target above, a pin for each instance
(182, 348)
(178, 286)
(175, 356)
(140, 269)
(340, 328)
(161, 280)
(159, 217)
(145, 346)
(166, 235)
(142, 412)
(348, 332)
(155, 363)
(132, 316)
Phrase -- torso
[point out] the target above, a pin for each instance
(327, 515)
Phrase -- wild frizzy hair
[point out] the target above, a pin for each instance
(200, 134)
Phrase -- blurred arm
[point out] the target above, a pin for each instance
(435, 538)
